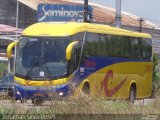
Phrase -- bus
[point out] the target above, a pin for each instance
(60, 59)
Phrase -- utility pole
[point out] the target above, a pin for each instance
(85, 11)
(17, 15)
(140, 24)
(118, 16)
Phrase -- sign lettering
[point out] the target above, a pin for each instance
(61, 12)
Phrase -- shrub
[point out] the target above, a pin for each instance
(156, 73)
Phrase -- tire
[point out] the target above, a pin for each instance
(37, 101)
(132, 94)
(86, 89)
(23, 100)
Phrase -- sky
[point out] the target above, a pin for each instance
(148, 9)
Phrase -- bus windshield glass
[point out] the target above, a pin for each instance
(42, 57)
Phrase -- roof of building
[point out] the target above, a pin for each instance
(101, 14)
(9, 29)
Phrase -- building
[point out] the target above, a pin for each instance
(8, 9)
(101, 14)
(27, 13)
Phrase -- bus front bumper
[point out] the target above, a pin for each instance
(45, 92)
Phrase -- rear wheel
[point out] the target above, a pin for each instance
(86, 89)
(132, 94)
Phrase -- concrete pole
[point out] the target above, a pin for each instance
(17, 15)
(118, 16)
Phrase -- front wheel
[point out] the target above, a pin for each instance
(37, 101)
(132, 94)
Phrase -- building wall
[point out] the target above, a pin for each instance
(27, 16)
(7, 12)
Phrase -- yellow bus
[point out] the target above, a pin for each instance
(57, 59)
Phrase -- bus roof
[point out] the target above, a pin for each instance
(63, 29)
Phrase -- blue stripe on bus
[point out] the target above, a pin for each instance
(100, 62)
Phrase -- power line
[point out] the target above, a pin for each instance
(156, 22)
(153, 20)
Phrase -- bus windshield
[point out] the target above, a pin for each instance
(40, 57)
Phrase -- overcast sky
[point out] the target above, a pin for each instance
(149, 9)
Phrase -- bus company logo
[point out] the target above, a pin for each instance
(104, 84)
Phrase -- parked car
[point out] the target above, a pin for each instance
(7, 85)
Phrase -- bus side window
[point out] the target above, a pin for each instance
(140, 46)
(74, 62)
(146, 48)
(77, 58)
(136, 50)
(91, 45)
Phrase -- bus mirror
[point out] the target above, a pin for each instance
(10, 47)
(69, 49)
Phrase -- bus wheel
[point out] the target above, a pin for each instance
(37, 101)
(132, 94)
(23, 100)
(86, 89)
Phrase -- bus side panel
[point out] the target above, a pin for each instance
(114, 81)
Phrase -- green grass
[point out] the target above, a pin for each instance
(83, 107)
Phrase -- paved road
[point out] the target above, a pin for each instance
(144, 102)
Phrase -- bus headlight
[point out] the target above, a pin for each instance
(18, 92)
(61, 93)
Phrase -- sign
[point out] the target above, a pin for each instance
(61, 12)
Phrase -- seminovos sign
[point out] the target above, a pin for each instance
(60, 12)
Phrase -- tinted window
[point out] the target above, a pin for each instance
(91, 44)
(117, 46)
(146, 48)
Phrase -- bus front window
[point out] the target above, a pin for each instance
(42, 57)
